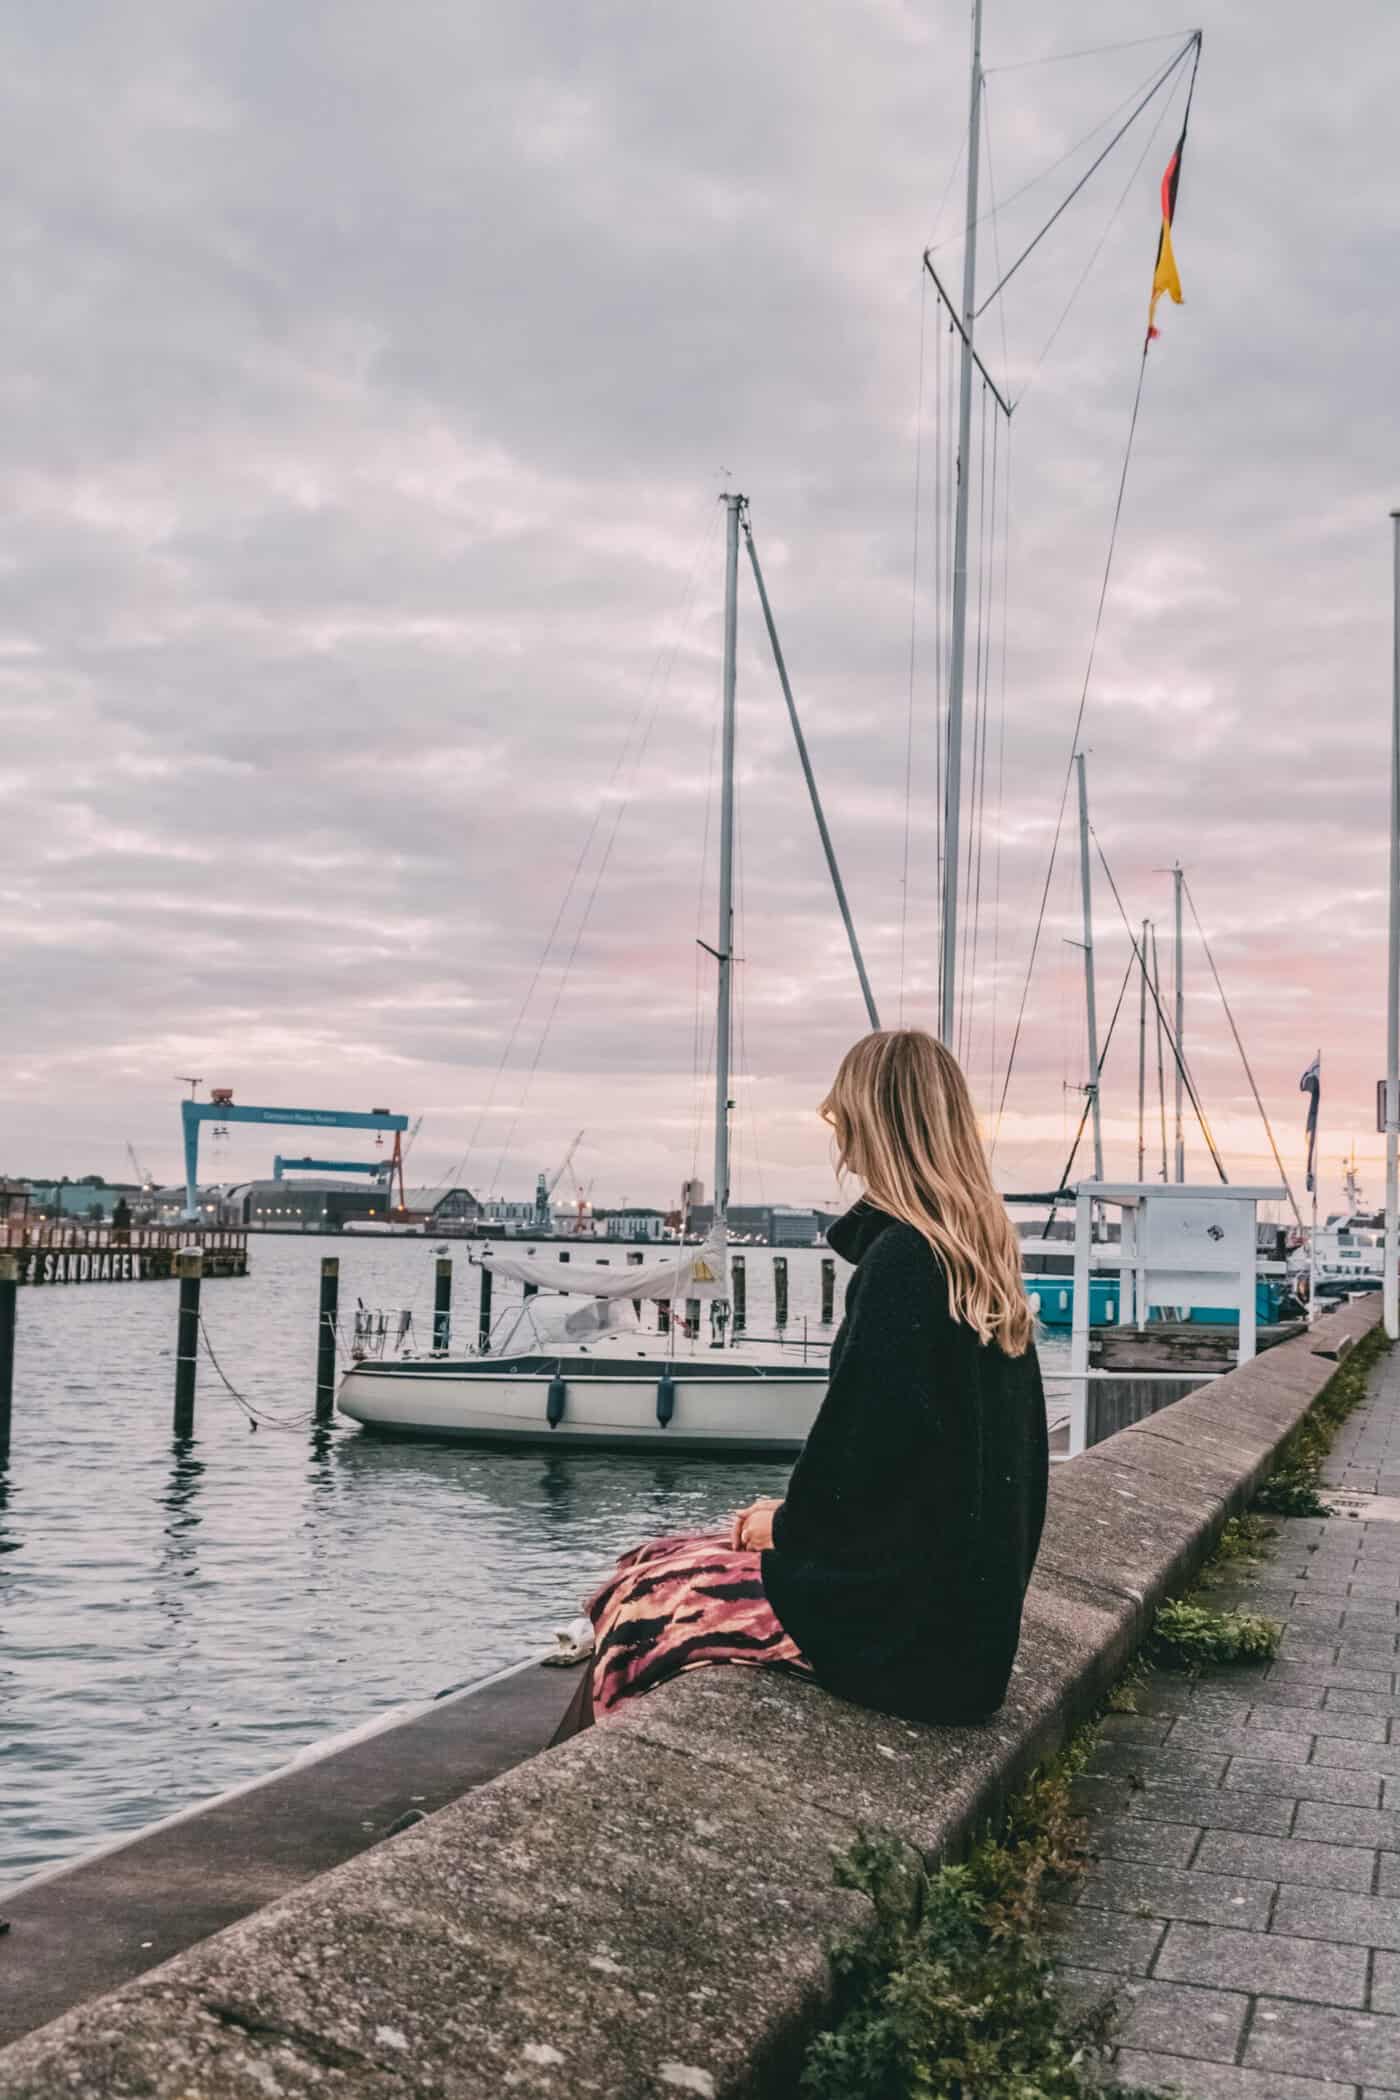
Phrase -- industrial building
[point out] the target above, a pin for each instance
(772, 1224)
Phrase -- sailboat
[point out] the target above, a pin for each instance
(575, 1365)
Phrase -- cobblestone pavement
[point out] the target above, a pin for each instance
(1244, 1901)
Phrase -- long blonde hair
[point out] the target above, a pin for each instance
(905, 1125)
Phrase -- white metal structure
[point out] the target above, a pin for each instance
(1183, 1245)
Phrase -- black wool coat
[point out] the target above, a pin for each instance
(902, 1552)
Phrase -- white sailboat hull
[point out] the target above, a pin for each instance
(716, 1408)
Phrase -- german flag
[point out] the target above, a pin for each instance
(1164, 277)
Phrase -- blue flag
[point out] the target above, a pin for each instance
(1311, 1085)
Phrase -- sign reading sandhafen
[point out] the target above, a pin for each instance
(88, 1265)
(115, 1259)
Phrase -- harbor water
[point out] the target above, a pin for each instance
(175, 1619)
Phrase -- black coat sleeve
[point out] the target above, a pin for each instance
(884, 1409)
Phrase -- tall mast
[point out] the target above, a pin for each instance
(1177, 873)
(1090, 1014)
(1391, 1306)
(724, 939)
(1142, 1054)
(952, 791)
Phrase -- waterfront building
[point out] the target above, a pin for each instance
(634, 1223)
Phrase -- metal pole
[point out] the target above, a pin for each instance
(1161, 1062)
(952, 789)
(724, 941)
(1180, 1024)
(780, 1290)
(738, 1285)
(9, 1296)
(1090, 1015)
(1142, 1054)
(325, 1338)
(1391, 1308)
(442, 1305)
(483, 1312)
(810, 778)
(189, 1266)
(1312, 1236)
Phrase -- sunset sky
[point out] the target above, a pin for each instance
(369, 380)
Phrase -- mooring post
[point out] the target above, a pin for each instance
(828, 1289)
(739, 1287)
(325, 1337)
(189, 1267)
(663, 1316)
(9, 1298)
(483, 1312)
(780, 1289)
(692, 1318)
(442, 1305)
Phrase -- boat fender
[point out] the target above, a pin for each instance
(665, 1399)
(554, 1405)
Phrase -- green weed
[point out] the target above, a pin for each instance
(1187, 1634)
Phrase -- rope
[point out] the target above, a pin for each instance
(1062, 58)
(913, 643)
(1244, 1056)
(257, 1417)
(1181, 1064)
(1068, 1168)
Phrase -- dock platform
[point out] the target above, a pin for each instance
(61, 1253)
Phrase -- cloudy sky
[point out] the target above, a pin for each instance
(369, 379)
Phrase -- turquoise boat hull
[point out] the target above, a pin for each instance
(1052, 1301)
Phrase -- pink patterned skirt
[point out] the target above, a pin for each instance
(678, 1604)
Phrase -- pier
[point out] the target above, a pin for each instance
(571, 1925)
(61, 1253)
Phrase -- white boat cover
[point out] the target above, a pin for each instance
(678, 1272)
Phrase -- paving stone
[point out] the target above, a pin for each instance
(1098, 1939)
(1217, 1808)
(1134, 1837)
(1204, 1735)
(1166, 1892)
(1171, 2016)
(1340, 1825)
(1164, 1766)
(1388, 1876)
(1325, 2041)
(1385, 1982)
(1287, 1720)
(1332, 1752)
(1331, 1673)
(1339, 1699)
(1263, 1963)
(1134, 1728)
(1305, 1782)
(1318, 1865)
(1334, 1914)
(1194, 2079)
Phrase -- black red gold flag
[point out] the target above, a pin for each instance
(1164, 277)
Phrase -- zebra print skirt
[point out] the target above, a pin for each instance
(679, 1604)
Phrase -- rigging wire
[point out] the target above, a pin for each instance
(1181, 1064)
(1090, 171)
(1161, 1066)
(1001, 771)
(1099, 245)
(913, 644)
(1068, 1168)
(1244, 1055)
(1074, 739)
(1062, 58)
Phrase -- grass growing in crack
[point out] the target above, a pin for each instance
(1187, 1634)
(1293, 1489)
(947, 1991)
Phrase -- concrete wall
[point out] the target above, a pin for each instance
(646, 1910)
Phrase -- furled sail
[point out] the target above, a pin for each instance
(584, 1272)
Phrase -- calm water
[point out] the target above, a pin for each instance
(175, 1619)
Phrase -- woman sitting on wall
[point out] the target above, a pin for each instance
(895, 1567)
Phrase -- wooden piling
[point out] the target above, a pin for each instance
(739, 1288)
(442, 1305)
(483, 1312)
(663, 1316)
(9, 1294)
(828, 1289)
(189, 1267)
(692, 1317)
(325, 1337)
(780, 1289)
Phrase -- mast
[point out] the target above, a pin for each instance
(1090, 1015)
(1142, 1054)
(1391, 1288)
(1177, 873)
(1161, 1062)
(724, 940)
(952, 791)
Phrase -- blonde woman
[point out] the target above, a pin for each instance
(895, 1568)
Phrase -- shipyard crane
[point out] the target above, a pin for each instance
(564, 1168)
(545, 1187)
(143, 1174)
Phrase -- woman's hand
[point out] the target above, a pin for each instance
(752, 1529)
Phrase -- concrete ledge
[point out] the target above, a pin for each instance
(646, 1910)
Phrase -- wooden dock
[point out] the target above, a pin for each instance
(63, 1253)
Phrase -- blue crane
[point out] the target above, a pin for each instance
(220, 1109)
